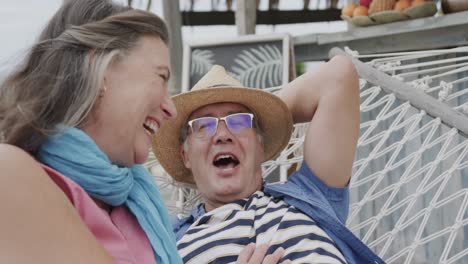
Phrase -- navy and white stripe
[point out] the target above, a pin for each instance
(220, 235)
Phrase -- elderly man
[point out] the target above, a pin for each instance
(222, 135)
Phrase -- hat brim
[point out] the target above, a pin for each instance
(271, 112)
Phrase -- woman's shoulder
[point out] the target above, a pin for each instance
(21, 173)
(20, 169)
(9, 153)
(31, 204)
(17, 165)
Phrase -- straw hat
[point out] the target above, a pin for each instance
(217, 87)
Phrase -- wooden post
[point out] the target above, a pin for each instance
(173, 20)
(246, 17)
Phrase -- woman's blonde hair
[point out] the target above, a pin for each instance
(61, 77)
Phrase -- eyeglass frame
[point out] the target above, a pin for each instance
(188, 129)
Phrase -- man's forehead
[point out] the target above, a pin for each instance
(218, 109)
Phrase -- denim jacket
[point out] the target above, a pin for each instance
(328, 206)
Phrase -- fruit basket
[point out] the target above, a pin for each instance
(374, 12)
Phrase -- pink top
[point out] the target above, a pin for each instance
(119, 232)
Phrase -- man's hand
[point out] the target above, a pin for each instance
(256, 255)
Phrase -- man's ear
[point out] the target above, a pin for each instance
(183, 153)
(260, 139)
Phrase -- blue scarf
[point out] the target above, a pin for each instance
(74, 154)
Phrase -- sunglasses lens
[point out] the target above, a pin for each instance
(238, 122)
(204, 127)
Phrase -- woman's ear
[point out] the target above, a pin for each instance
(103, 90)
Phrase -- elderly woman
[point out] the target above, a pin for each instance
(77, 119)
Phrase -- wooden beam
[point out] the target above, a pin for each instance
(404, 92)
(246, 17)
(419, 34)
(192, 18)
(173, 19)
(274, 17)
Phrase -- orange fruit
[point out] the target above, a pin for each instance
(402, 5)
(348, 9)
(417, 2)
(360, 11)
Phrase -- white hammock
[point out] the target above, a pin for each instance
(409, 195)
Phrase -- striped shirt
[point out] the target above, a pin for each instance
(220, 235)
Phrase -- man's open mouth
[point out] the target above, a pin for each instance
(225, 161)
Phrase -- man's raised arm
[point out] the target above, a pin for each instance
(329, 99)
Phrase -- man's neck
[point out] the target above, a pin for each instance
(211, 205)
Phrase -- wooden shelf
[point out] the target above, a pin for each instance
(418, 34)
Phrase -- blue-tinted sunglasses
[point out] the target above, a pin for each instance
(205, 127)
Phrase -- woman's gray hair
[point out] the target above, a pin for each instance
(60, 79)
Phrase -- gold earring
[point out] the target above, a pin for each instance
(103, 91)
